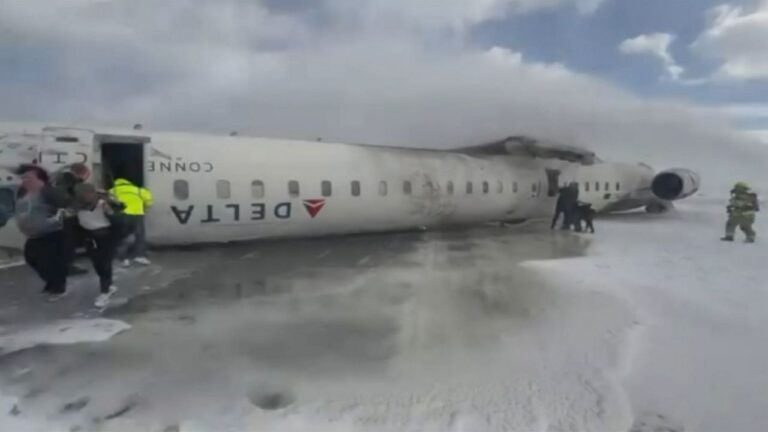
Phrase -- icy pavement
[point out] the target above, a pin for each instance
(655, 325)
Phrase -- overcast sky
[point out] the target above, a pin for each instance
(650, 74)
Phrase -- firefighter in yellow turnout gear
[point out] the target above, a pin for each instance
(136, 200)
(742, 208)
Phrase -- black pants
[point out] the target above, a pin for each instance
(74, 237)
(49, 257)
(100, 246)
(590, 225)
(134, 243)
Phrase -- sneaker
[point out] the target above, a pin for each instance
(125, 263)
(750, 240)
(142, 261)
(729, 239)
(103, 299)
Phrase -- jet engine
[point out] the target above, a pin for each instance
(675, 184)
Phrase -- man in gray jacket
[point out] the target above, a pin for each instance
(39, 216)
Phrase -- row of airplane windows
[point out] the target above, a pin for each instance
(588, 185)
(224, 189)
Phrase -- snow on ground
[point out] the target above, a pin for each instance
(62, 332)
(659, 327)
(700, 354)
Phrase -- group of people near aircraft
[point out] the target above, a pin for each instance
(742, 209)
(574, 212)
(60, 215)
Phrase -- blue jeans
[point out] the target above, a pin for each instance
(134, 244)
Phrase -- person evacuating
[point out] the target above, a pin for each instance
(39, 214)
(587, 214)
(567, 198)
(742, 208)
(66, 181)
(94, 214)
(136, 200)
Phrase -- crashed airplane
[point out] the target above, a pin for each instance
(228, 188)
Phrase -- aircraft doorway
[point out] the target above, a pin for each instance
(553, 182)
(122, 157)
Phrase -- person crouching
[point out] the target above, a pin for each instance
(93, 214)
(586, 214)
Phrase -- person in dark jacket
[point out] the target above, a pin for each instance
(567, 200)
(67, 181)
(587, 214)
(39, 213)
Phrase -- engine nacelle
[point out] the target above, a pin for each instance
(675, 184)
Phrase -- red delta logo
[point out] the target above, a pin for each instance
(314, 206)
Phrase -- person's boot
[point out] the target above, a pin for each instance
(727, 238)
(750, 240)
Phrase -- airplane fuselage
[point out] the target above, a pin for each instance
(222, 188)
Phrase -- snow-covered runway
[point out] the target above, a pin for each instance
(653, 323)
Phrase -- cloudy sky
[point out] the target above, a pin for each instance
(651, 73)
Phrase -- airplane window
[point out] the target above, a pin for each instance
(485, 187)
(223, 189)
(499, 187)
(407, 187)
(449, 188)
(293, 188)
(607, 187)
(326, 188)
(597, 186)
(586, 186)
(469, 187)
(257, 189)
(355, 188)
(181, 189)
(383, 188)
(618, 186)
(514, 187)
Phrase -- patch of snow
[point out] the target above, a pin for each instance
(61, 332)
(12, 415)
(699, 355)
(10, 263)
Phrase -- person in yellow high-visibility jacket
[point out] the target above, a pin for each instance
(136, 200)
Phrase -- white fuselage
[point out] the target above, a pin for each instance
(221, 189)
